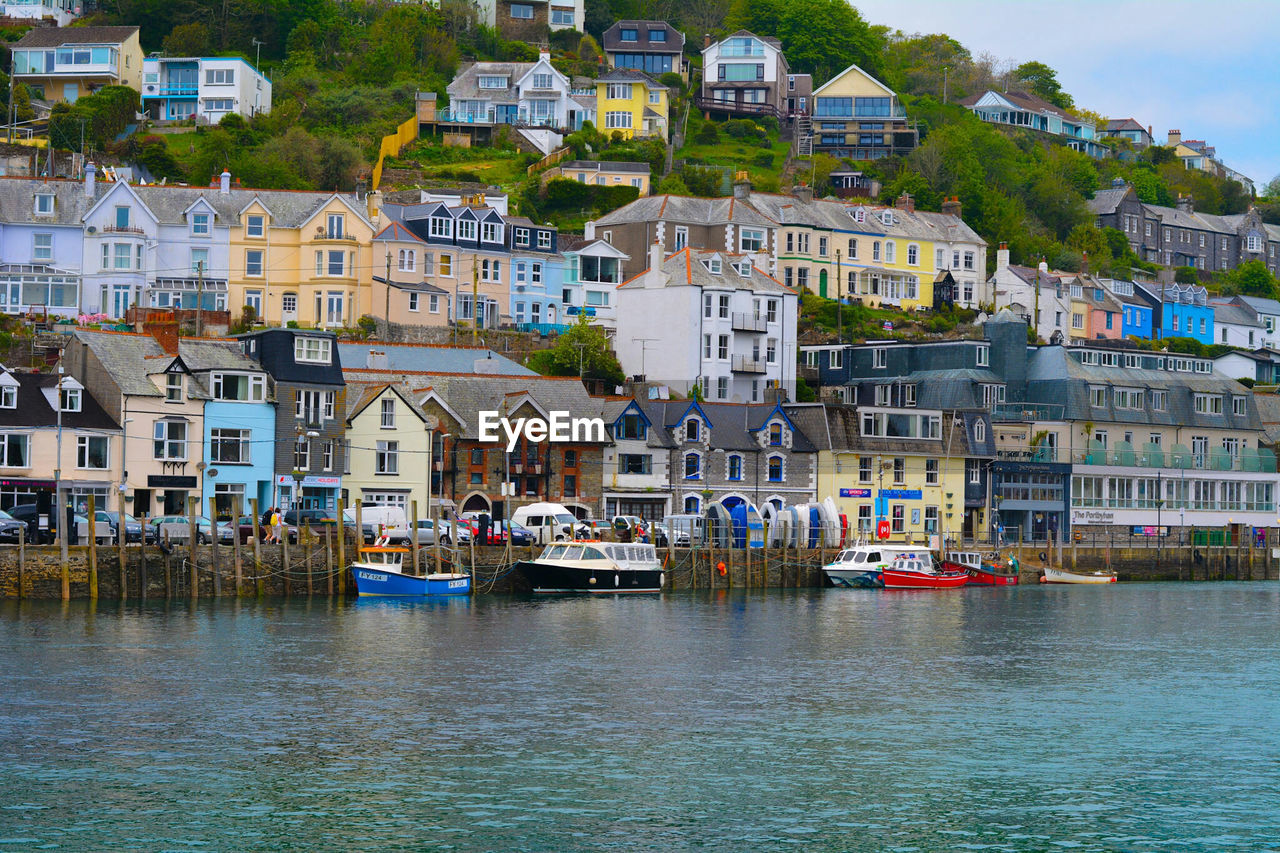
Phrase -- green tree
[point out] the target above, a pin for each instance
(582, 350)
(1042, 81)
(187, 40)
(1272, 189)
(1252, 278)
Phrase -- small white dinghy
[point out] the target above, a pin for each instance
(1052, 575)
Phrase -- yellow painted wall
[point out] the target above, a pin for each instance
(365, 431)
(951, 474)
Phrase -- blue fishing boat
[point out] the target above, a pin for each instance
(380, 571)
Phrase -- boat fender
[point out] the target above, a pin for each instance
(1044, 557)
(591, 580)
(615, 581)
(721, 569)
(662, 579)
(1196, 556)
(1043, 579)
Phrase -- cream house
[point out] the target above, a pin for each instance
(388, 443)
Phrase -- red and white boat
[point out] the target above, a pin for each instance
(988, 570)
(916, 570)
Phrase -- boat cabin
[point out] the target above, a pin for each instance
(390, 559)
(621, 556)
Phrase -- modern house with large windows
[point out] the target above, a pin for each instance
(1023, 109)
(744, 75)
(654, 47)
(203, 88)
(62, 63)
(855, 115)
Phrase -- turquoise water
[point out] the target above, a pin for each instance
(1135, 717)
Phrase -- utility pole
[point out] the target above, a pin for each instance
(200, 299)
(258, 61)
(387, 313)
(839, 301)
(475, 301)
(59, 509)
(1035, 318)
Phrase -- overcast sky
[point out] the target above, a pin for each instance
(1211, 70)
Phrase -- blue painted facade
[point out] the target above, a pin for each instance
(537, 277)
(256, 476)
(1136, 321)
(1180, 320)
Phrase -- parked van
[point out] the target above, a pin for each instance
(384, 520)
(549, 522)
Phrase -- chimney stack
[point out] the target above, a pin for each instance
(655, 256)
(224, 183)
(905, 203)
(1084, 263)
(1185, 203)
(741, 186)
(90, 175)
(1002, 257)
(804, 193)
(1175, 136)
(163, 326)
(951, 206)
(706, 40)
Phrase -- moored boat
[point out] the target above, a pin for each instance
(594, 567)
(1052, 575)
(861, 566)
(380, 572)
(917, 570)
(983, 570)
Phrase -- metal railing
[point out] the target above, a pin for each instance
(747, 364)
(750, 323)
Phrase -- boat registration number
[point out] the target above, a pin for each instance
(370, 576)
(457, 584)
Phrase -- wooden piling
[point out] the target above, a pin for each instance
(342, 545)
(328, 557)
(22, 562)
(435, 536)
(304, 542)
(122, 537)
(413, 535)
(213, 547)
(284, 559)
(257, 547)
(142, 567)
(237, 510)
(93, 551)
(168, 568)
(193, 513)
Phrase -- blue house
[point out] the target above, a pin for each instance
(1136, 312)
(537, 276)
(239, 425)
(1179, 311)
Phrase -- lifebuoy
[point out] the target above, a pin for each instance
(721, 569)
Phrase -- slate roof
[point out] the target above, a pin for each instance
(425, 358)
(17, 200)
(1116, 124)
(1269, 415)
(604, 166)
(613, 43)
(1053, 376)
(629, 75)
(34, 409)
(1026, 101)
(1106, 201)
(129, 358)
(956, 441)
(466, 83)
(396, 231)
(837, 214)
(468, 394)
(1028, 274)
(1235, 315)
(687, 267)
(1261, 304)
(733, 426)
(677, 208)
(57, 36)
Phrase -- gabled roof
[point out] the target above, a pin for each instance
(396, 231)
(687, 267)
(35, 409)
(1117, 124)
(852, 69)
(1024, 101)
(437, 358)
(679, 208)
(357, 403)
(629, 75)
(58, 36)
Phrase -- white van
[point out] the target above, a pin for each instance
(549, 522)
(384, 520)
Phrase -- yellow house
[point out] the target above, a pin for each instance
(857, 116)
(1080, 313)
(631, 103)
(388, 443)
(64, 63)
(301, 257)
(602, 173)
(922, 487)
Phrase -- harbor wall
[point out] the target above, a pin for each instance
(313, 568)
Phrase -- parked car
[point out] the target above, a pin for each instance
(661, 533)
(597, 528)
(309, 517)
(549, 522)
(9, 527)
(449, 533)
(134, 530)
(47, 533)
(244, 528)
(178, 528)
(630, 528)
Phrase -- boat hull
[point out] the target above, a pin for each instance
(555, 578)
(982, 576)
(921, 580)
(855, 578)
(371, 581)
(1052, 575)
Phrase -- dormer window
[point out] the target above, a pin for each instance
(886, 217)
(70, 399)
(441, 226)
(44, 204)
(200, 225)
(8, 396)
(692, 428)
(312, 350)
(712, 265)
(255, 225)
(859, 215)
(775, 434)
(173, 388)
(522, 236)
(544, 239)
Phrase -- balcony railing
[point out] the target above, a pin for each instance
(747, 364)
(734, 106)
(333, 235)
(1122, 455)
(180, 89)
(122, 229)
(750, 323)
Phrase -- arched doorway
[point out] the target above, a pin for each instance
(822, 283)
(476, 503)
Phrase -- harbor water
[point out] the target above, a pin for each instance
(1131, 717)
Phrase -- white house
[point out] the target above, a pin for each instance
(593, 272)
(1268, 311)
(177, 88)
(709, 318)
(1237, 325)
(745, 74)
(1029, 291)
(41, 245)
(61, 11)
